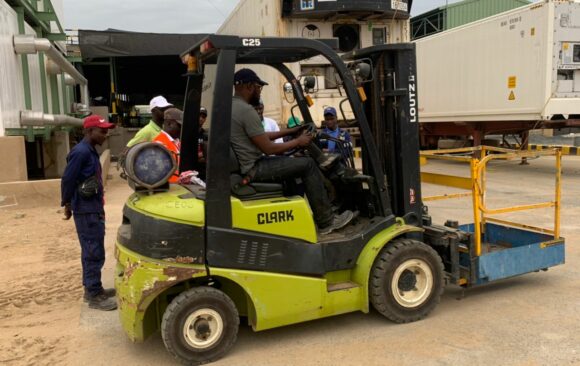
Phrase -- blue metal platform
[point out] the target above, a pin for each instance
(514, 251)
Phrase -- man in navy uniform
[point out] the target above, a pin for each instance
(82, 198)
(332, 129)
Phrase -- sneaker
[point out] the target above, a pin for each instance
(102, 302)
(108, 292)
(338, 222)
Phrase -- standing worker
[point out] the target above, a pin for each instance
(202, 118)
(293, 122)
(331, 129)
(169, 137)
(269, 124)
(83, 197)
(157, 105)
(202, 135)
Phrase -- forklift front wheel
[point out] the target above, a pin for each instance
(200, 325)
(406, 280)
(412, 283)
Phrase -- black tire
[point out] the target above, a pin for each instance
(213, 307)
(410, 261)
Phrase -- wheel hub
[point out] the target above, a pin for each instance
(203, 328)
(412, 283)
(407, 281)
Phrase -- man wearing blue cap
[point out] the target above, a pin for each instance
(253, 147)
(336, 132)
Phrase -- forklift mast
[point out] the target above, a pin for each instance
(392, 112)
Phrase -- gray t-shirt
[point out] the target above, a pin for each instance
(245, 124)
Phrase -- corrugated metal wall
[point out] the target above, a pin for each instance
(12, 84)
(471, 10)
(35, 76)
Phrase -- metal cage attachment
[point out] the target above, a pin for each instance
(478, 158)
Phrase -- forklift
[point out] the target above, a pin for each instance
(192, 260)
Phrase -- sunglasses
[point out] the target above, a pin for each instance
(258, 86)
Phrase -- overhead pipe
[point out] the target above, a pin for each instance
(52, 68)
(29, 44)
(30, 118)
(68, 80)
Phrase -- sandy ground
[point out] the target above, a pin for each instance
(529, 320)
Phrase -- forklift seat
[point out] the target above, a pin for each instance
(250, 191)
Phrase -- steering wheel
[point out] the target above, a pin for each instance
(310, 128)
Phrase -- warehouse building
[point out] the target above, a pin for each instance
(125, 70)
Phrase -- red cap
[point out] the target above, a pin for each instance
(97, 121)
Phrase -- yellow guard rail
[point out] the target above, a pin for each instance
(476, 184)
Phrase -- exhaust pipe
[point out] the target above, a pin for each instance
(29, 44)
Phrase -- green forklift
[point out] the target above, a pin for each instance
(193, 260)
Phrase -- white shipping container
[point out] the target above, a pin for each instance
(264, 19)
(521, 65)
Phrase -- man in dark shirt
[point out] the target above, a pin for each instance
(253, 147)
(82, 198)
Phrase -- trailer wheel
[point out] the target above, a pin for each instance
(406, 281)
(200, 325)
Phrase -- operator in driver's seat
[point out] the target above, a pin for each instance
(253, 147)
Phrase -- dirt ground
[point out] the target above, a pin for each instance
(528, 320)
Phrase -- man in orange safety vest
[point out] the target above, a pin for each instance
(169, 137)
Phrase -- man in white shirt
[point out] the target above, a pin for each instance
(269, 124)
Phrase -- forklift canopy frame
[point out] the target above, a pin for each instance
(228, 51)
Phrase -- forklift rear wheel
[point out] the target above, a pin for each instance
(406, 281)
(200, 325)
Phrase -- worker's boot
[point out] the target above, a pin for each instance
(338, 222)
(327, 161)
(102, 302)
(108, 292)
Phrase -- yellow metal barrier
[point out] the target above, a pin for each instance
(446, 180)
(476, 184)
(566, 150)
(446, 196)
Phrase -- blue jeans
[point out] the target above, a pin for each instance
(91, 232)
(280, 168)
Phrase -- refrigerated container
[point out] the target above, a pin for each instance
(519, 66)
(356, 24)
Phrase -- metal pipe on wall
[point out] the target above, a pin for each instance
(30, 118)
(29, 44)
(68, 80)
(52, 68)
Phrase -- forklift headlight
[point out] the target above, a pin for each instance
(149, 165)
